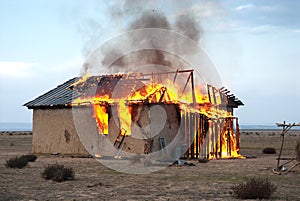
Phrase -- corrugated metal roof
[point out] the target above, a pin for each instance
(63, 94)
(59, 96)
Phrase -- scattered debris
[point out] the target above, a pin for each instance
(182, 163)
(136, 158)
(94, 185)
(98, 184)
(81, 156)
(250, 156)
(203, 160)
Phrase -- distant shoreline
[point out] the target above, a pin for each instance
(15, 130)
(241, 130)
(15, 127)
(268, 129)
(27, 127)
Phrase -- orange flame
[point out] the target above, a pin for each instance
(125, 118)
(101, 117)
(169, 92)
(81, 80)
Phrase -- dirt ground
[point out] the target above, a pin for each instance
(93, 181)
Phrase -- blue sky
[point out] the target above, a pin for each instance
(254, 45)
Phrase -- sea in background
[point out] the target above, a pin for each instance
(15, 126)
(265, 127)
(21, 126)
(259, 127)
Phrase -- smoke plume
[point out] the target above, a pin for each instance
(137, 15)
(184, 24)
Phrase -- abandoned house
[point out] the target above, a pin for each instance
(136, 113)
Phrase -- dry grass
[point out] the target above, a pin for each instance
(205, 181)
(17, 162)
(58, 173)
(254, 188)
(269, 150)
(29, 157)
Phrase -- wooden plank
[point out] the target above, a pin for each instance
(193, 88)
(191, 142)
(285, 158)
(203, 145)
(284, 124)
(237, 134)
(229, 138)
(187, 81)
(207, 139)
(175, 75)
(212, 137)
(197, 135)
(221, 136)
(216, 137)
(187, 129)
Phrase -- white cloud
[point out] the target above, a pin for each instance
(16, 69)
(208, 9)
(263, 29)
(297, 31)
(246, 6)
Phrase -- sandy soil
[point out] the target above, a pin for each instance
(205, 181)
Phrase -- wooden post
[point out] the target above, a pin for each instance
(237, 135)
(216, 137)
(221, 136)
(197, 135)
(212, 137)
(187, 81)
(187, 117)
(152, 79)
(193, 88)
(201, 135)
(175, 76)
(208, 140)
(184, 130)
(191, 142)
(281, 147)
(229, 137)
(285, 129)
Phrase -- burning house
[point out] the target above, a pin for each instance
(138, 113)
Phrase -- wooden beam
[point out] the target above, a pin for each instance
(187, 81)
(193, 88)
(175, 76)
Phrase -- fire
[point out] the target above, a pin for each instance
(230, 149)
(81, 80)
(101, 116)
(167, 92)
(151, 93)
(125, 118)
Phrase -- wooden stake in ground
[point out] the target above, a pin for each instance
(285, 129)
(297, 149)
